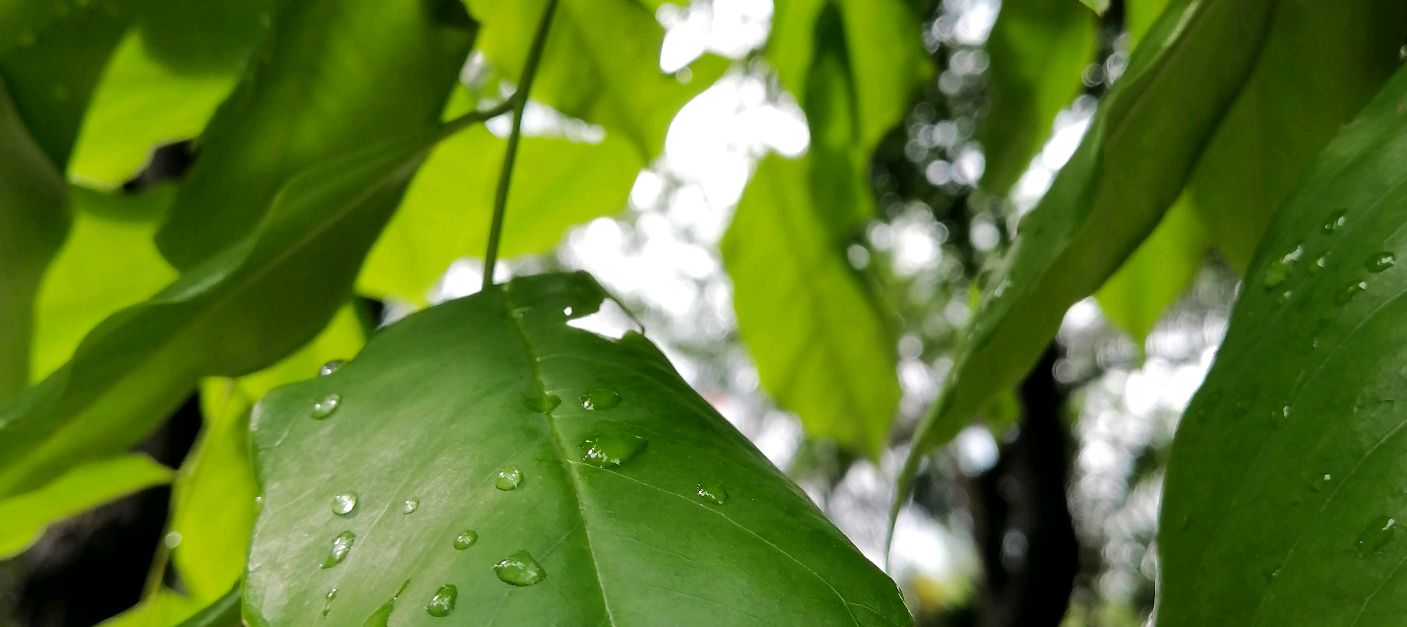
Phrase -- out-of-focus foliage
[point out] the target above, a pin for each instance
(24, 516)
(519, 437)
(1284, 490)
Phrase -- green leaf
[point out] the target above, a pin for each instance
(1039, 50)
(600, 64)
(212, 499)
(1292, 104)
(33, 224)
(139, 105)
(605, 503)
(83, 285)
(1283, 498)
(166, 607)
(233, 314)
(1098, 6)
(1103, 203)
(224, 612)
(446, 211)
(823, 347)
(333, 76)
(1139, 17)
(23, 517)
(1156, 274)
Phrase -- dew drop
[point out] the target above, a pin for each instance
(541, 402)
(519, 569)
(330, 367)
(327, 601)
(442, 603)
(172, 540)
(1379, 532)
(382, 615)
(345, 503)
(1270, 573)
(1378, 262)
(596, 400)
(1319, 264)
(508, 478)
(1348, 293)
(465, 539)
(410, 505)
(712, 491)
(1319, 482)
(1334, 221)
(1279, 270)
(324, 408)
(611, 450)
(341, 545)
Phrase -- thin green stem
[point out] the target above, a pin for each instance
(510, 154)
(474, 117)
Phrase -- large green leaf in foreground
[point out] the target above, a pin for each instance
(495, 463)
(1284, 496)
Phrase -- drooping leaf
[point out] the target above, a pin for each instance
(823, 347)
(530, 472)
(233, 314)
(23, 517)
(85, 283)
(1156, 274)
(1283, 499)
(446, 211)
(1293, 102)
(212, 498)
(600, 64)
(1039, 50)
(1131, 165)
(33, 224)
(333, 76)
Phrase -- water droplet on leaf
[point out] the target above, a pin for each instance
(611, 450)
(442, 603)
(324, 408)
(345, 503)
(1378, 262)
(541, 402)
(1379, 532)
(465, 539)
(330, 367)
(1334, 221)
(595, 400)
(1319, 482)
(1346, 294)
(327, 601)
(508, 478)
(1279, 270)
(410, 505)
(341, 545)
(519, 569)
(712, 491)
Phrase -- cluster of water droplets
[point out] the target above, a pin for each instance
(1281, 270)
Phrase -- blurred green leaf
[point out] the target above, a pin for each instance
(823, 347)
(33, 224)
(1104, 202)
(1139, 17)
(1283, 499)
(24, 516)
(212, 499)
(446, 211)
(139, 105)
(333, 76)
(1156, 274)
(166, 607)
(83, 284)
(233, 314)
(1039, 50)
(1320, 63)
(601, 63)
(205, 38)
(1098, 6)
(446, 398)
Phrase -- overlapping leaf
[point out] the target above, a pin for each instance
(509, 467)
(1283, 499)
(23, 517)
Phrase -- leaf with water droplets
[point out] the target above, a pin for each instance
(436, 400)
(1316, 497)
(443, 602)
(344, 503)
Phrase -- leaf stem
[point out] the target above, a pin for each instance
(510, 154)
(474, 117)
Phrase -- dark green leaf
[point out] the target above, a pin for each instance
(446, 211)
(1320, 63)
(231, 315)
(601, 63)
(649, 509)
(1039, 50)
(33, 224)
(333, 76)
(1105, 201)
(1284, 494)
(23, 517)
(823, 347)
